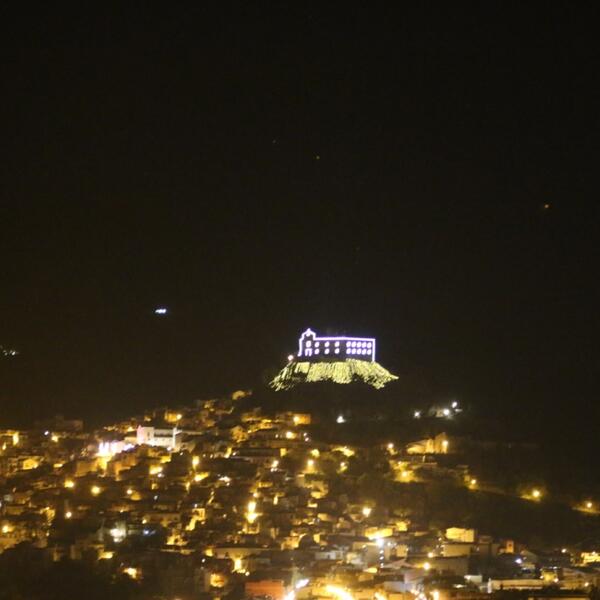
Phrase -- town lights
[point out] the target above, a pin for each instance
(366, 511)
(195, 461)
(472, 482)
(310, 463)
(95, 489)
(589, 505)
(68, 514)
(536, 494)
(69, 483)
(426, 566)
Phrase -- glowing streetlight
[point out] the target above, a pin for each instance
(95, 489)
(68, 514)
(69, 483)
(366, 511)
(537, 494)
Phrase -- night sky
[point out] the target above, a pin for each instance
(426, 176)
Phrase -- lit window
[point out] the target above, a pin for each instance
(337, 344)
(326, 350)
(308, 343)
(337, 350)
(326, 344)
(317, 351)
(316, 344)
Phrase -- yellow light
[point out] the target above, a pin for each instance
(310, 463)
(54, 438)
(251, 506)
(473, 482)
(274, 464)
(390, 446)
(107, 554)
(155, 470)
(68, 514)
(5, 528)
(129, 491)
(430, 555)
(132, 572)
(314, 452)
(426, 566)
(15, 438)
(445, 444)
(200, 476)
(195, 461)
(536, 494)
(289, 435)
(339, 592)
(296, 417)
(366, 511)
(589, 505)
(69, 483)
(95, 490)
(178, 416)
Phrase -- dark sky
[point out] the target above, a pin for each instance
(261, 171)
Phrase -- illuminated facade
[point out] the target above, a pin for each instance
(313, 348)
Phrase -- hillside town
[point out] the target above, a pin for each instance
(222, 500)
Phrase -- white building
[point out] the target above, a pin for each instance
(316, 348)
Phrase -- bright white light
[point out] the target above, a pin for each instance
(161, 310)
(417, 414)
(301, 583)
(446, 412)
(290, 357)
(454, 404)
(340, 419)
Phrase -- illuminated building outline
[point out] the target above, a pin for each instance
(335, 348)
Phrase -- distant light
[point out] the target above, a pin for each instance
(161, 310)
(589, 504)
(427, 566)
(446, 412)
(454, 404)
(340, 419)
(68, 514)
(536, 493)
(366, 511)
(417, 414)
(290, 357)
(95, 490)
(69, 483)
(519, 561)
